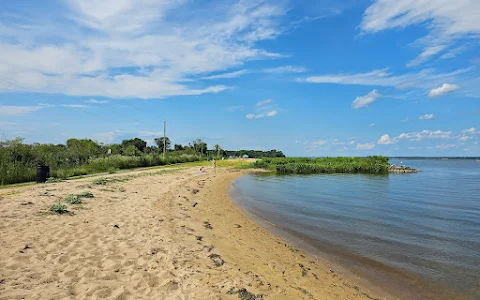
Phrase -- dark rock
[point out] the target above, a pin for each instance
(116, 226)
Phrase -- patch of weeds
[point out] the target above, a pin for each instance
(107, 190)
(53, 180)
(122, 189)
(304, 270)
(243, 294)
(112, 170)
(304, 291)
(85, 195)
(59, 209)
(217, 259)
(73, 199)
(100, 181)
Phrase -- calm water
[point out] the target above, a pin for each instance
(414, 235)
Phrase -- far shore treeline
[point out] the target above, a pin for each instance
(18, 160)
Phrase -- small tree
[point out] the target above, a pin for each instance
(159, 142)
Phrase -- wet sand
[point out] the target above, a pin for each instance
(153, 235)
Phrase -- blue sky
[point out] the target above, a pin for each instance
(312, 78)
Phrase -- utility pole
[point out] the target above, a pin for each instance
(164, 137)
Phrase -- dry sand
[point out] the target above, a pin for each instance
(158, 235)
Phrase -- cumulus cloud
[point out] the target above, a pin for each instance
(465, 138)
(470, 131)
(444, 89)
(367, 146)
(427, 117)
(386, 140)
(12, 110)
(364, 101)
(319, 143)
(425, 134)
(262, 115)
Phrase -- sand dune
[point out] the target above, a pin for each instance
(152, 235)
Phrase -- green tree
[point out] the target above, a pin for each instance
(217, 149)
(159, 142)
(138, 143)
(178, 147)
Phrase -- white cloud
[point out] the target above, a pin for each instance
(235, 107)
(427, 117)
(371, 125)
(446, 146)
(366, 146)
(264, 102)
(227, 75)
(151, 133)
(465, 138)
(425, 55)
(364, 101)
(445, 88)
(285, 69)
(351, 142)
(127, 48)
(386, 140)
(95, 101)
(319, 143)
(263, 115)
(445, 21)
(12, 110)
(425, 134)
(76, 106)
(405, 120)
(425, 79)
(469, 131)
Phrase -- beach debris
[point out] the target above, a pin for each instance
(27, 203)
(209, 248)
(207, 225)
(304, 270)
(195, 204)
(332, 271)
(199, 237)
(243, 294)
(116, 226)
(315, 275)
(238, 226)
(2, 281)
(304, 291)
(217, 259)
(195, 191)
(27, 246)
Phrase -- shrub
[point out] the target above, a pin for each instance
(59, 209)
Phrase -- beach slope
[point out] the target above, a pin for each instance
(169, 234)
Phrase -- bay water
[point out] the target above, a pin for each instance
(415, 236)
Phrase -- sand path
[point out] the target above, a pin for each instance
(152, 235)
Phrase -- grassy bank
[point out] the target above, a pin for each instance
(370, 164)
(15, 172)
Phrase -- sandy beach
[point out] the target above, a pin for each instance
(152, 234)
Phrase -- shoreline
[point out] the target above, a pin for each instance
(153, 235)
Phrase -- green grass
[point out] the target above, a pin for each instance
(73, 199)
(370, 164)
(58, 209)
(100, 181)
(85, 195)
